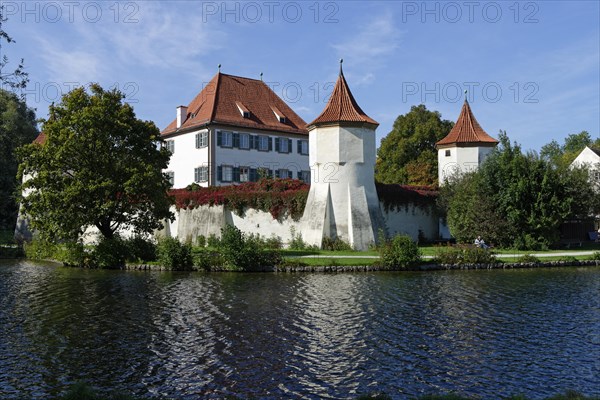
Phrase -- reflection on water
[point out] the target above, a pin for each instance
(479, 333)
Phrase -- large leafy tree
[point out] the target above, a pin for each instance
(17, 127)
(516, 199)
(99, 167)
(407, 155)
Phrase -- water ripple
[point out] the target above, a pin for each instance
(272, 336)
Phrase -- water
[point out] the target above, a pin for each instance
(191, 335)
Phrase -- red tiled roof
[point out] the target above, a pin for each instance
(218, 101)
(467, 130)
(342, 108)
(41, 138)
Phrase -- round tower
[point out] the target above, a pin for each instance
(464, 148)
(342, 201)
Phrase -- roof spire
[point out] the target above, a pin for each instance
(261, 74)
(466, 94)
(342, 108)
(219, 67)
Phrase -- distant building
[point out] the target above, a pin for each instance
(464, 148)
(235, 130)
(589, 157)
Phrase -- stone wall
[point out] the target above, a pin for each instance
(407, 219)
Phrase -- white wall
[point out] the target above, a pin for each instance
(342, 201)
(409, 219)
(186, 157)
(460, 160)
(587, 157)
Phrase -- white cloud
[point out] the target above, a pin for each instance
(164, 38)
(375, 40)
(368, 49)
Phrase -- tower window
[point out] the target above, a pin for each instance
(447, 153)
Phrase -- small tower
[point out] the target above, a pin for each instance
(465, 147)
(342, 202)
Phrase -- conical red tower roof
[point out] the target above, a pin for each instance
(467, 130)
(342, 109)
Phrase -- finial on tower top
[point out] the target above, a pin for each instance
(466, 94)
(219, 66)
(261, 74)
(341, 62)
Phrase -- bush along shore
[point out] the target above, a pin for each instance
(236, 251)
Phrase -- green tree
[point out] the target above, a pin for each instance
(17, 127)
(407, 155)
(99, 167)
(516, 199)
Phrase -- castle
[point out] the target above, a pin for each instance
(237, 126)
(237, 130)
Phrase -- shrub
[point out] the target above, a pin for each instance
(73, 254)
(297, 243)
(336, 244)
(400, 252)
(245, 253)
(213, 241)
(110, 253)
(477, 255)
(463, 254)
(39, 249)
(273, 243)
(528, 258)
(174, 255)
(206, 259)
(448, 255)
(595, 256)
(141, 249)
(201, 241)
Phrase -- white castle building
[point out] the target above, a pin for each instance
(237, 129)
(234, 130)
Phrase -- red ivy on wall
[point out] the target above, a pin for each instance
(277, 196)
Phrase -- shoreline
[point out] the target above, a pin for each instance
(375, 268)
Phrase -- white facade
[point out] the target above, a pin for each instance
(590, 159)
(587, 157)
(456, 159)
(342, 201)
(218, 156)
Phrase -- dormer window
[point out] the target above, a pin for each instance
(243, 110)
(279, 115)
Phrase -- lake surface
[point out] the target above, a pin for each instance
(193, 335)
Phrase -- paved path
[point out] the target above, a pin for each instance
(503, 255)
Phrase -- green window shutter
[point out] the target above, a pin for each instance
(270, 143)
(290, 146)
(219, 138)
(219, 173)
(290, 174)
(253, 175)
(277, 148)
(236, 174)
(236, 140)
(299, 146)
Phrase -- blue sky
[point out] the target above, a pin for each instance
(532, 68)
